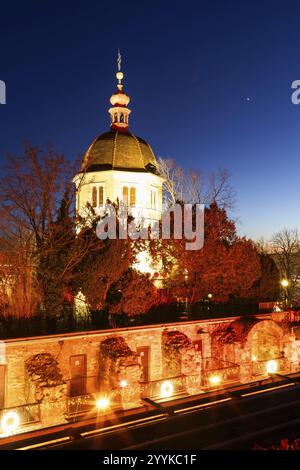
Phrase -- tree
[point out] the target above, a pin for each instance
(33, 187)
(174, 181)
(224, 267)
(133, 294)
(29, 200)
(103, 269)
(286, 252)
(227, 264)
(58, 251)
(37, 198)
(110, 283)
(20, 294)
(191, 187)
(266, 287)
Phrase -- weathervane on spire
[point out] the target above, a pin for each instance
(119, 112)
(119, 74)
(119, 60)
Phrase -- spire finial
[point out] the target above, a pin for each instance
(119, 113)
(119, 60)
(119, 74)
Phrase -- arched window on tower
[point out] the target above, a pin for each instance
(132, 197)
(116, 117)
(125, 195)
(94, 196)
(101, 196)
(121, 117)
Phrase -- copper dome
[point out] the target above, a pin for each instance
(115, 150)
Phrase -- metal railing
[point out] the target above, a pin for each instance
(22, 416)
(28, 414)
(155, 388)
(83, 393)
(261, 367)
(224, 371)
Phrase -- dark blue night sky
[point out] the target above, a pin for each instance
(190, 68)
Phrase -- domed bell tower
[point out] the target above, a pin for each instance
(120, 166)
(119, 113)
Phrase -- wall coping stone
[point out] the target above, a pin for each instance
(107, 332)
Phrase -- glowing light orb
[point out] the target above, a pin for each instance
(123, 383)
(272, 367)
(10, 422)
(214, 379)
(254, 358)
(284, 282)
(102, 403)
(166, 389)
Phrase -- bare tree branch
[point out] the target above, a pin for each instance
(193, 187)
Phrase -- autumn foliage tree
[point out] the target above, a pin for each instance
(110, 282)
(30, 195)
(37, 202)
(225, 266)
(133, 294)
(103, 269)
(19, 291)
(267, 287)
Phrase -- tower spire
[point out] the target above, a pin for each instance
(119, 113)
(119, 73)
(119, 60)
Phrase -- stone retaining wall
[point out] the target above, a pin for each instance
(234, 344)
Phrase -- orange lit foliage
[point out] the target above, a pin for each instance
(134, 293)
(104, 268)
(34, 236)
(267, 287)
(226, 266)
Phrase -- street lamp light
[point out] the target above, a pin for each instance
(102, 403)
(208, 301)
(166, 389)
(285, 283)
(215, 380)
(272, 367)
(10, 422)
